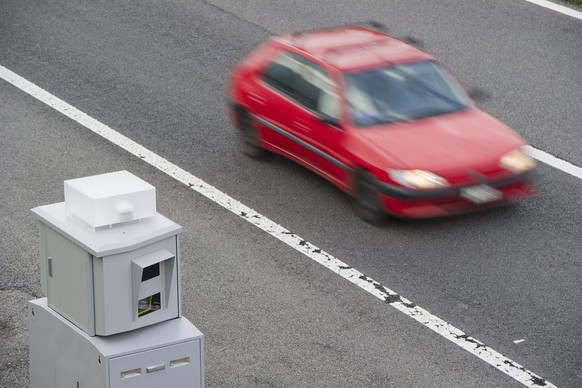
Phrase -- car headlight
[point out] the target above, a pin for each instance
(418, 179)
(517, 161)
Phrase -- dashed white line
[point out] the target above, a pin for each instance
(558, 8)
(451, 333)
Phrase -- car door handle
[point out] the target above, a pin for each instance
(301, 126)
(256, 98)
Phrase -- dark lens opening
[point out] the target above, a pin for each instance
(150, 272)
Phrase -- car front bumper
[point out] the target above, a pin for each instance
(409, 203)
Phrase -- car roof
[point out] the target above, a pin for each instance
(351, 48)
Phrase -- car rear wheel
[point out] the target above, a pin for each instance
(367, 199)
(250, 143)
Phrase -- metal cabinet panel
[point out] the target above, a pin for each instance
(176, 366)
(64, 379)
(70, 280)
(118, 289)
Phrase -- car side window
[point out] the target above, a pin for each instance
(282, 77)
(304, 81)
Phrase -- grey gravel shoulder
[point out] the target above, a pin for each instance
(14, 338)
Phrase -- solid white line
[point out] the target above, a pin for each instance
(419, 314)
(560, 164)
(558, 8)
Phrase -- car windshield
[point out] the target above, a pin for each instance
(400, 93)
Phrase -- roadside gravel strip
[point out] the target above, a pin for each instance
(453, 334)
(13, 333)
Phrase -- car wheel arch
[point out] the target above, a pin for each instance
(250, 138)
(240, 109)
(358, 172)
(366, 196)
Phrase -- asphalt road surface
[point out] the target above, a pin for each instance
(156, 71)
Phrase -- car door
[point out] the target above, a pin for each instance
(298, 93)
(279, 107)
(327, 137)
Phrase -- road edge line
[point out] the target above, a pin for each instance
(557, 7)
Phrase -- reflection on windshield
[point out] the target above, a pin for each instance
(404, 92)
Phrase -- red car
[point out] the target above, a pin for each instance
(380, 119)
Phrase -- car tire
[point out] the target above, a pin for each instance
(250, 143)
(367, 199)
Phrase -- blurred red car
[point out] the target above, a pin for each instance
(380, 119)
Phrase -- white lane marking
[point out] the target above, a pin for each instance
(419, 314)
(551, 160)
(518, 341)
(557, 8)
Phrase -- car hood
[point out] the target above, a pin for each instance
(443, 143)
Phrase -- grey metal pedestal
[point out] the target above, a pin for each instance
(166, 354)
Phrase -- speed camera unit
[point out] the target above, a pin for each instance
(109, 261)
(110, 270)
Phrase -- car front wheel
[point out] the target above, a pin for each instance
(367, 199)
(250, 143)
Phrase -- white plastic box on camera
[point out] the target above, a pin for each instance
(109, 199)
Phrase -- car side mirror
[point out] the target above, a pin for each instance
(327, 119)
(413, 41)
(478, 94)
